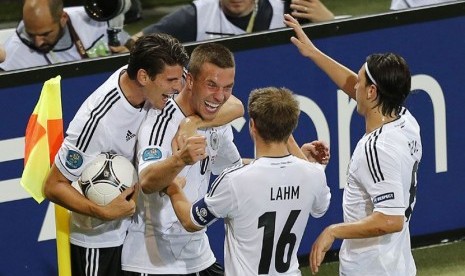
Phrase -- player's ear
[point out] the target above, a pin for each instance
(372, 92)
(142, 77)
(252, 128)
(189, 80)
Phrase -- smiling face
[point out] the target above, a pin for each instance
(211, 88)
(158, 90)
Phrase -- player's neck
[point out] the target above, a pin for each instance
(183, 101)
(131, 90)
(375, 119)
(263, 149)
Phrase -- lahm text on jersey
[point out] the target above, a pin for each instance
(284, 192)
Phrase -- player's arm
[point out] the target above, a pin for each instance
(58, 189)
(294, 149)
(182, 206)
(377, 224)
(158, 175)
(231, 110)
(343, 77)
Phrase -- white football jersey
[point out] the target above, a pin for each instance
(105, 122)
(405, 4)
(382, 178)
(157, 243)
(265, 206)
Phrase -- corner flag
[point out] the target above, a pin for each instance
(44, 135)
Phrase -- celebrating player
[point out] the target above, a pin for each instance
(381, 184)
(266, 204)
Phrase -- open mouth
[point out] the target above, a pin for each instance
(212, 107)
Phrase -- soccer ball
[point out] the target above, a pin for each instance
(106, 177)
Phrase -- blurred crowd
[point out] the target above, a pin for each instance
(51, 33)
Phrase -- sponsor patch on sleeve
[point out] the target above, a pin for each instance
(73, 160)
(200, 214)
(383, 197)
(151, 154)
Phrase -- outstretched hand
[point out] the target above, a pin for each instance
(300, 40)
(317, 151)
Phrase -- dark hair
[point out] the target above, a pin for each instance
(275, 112)
(152, 52)
(393, 80)
(214, 53)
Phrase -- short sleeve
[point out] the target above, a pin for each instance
(387, 192)
(323, 196)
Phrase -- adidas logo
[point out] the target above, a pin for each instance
(129, 135)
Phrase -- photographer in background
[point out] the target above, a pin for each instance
(50, 34)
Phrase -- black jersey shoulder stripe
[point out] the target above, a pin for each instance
(158, 121)
(162, 119)
(91, 117)
(99, 111)
(403, 110)
(97, 121)
(162, 136)
(222, 175)
(371, 155)
(91, 120)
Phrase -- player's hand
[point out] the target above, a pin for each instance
(120, 207)
(301, 40)
(317, 151)
(194, 149)
(187, 128)
(119, 49)
(135, 193)
(319, 248)
(312, 10)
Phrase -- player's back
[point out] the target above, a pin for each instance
(274, 198)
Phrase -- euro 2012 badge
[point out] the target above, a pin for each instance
(151, 154)
(73, 160)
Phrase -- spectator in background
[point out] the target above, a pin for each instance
(2, 53)
(405, 4)
(208, 19)
(50, 34)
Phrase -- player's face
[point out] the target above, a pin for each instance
(165, 84)
(237, 8)
(211, 89)
(43, 33)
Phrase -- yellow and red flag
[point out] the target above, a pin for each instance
(44, 135)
